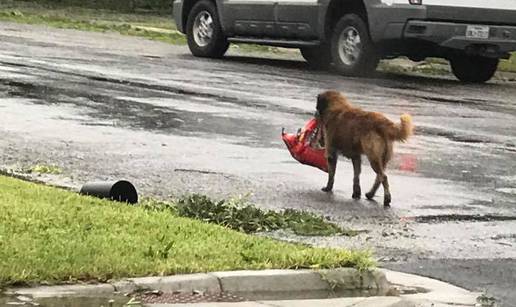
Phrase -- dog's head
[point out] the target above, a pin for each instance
(326, 100)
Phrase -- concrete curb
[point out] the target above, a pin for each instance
(233, 281)
(413, 290)
(184, 283)
(301, 280)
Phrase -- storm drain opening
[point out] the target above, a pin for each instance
(197, 297)
(187, 298)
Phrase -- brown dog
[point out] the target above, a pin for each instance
(353, 132)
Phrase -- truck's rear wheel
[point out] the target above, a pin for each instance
(203, 31)
(353, 52)
(318, 57)
(475, 69)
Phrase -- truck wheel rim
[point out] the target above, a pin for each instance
(349, 45)
(203, 28)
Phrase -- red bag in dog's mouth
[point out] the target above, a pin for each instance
(307, 145)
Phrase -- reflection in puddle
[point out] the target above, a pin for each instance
(112, 301)
(158, 297)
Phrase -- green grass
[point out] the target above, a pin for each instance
(32, 8)
(45, 169)
(508, 65)
(427, 68)
(439, 66)
(151, 26)
(52, 235)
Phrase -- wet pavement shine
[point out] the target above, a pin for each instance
(104, 106)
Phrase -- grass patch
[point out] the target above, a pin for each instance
(431, 69)
(238, 214)
(427, 68)
(485, 300)
(439, 66)
(508, 65)
(45, 169)
(52, 235)
(150, 26)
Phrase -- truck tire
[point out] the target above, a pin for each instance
(318, 57)
(203, 31)
(352, 50)
(474, 69)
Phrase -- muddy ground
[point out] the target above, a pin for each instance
(104, 106)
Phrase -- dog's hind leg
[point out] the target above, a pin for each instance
(386, 192)
(357, 168)
(373, 146)
(380, 178)
(378, 169)
(332, 167)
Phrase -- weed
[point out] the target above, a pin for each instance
(429, 68)
(240, 215)
(162, 251)
(486, 301)
(45, 169)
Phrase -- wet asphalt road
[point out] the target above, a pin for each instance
(104, 106)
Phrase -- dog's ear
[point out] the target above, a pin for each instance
(322, 103)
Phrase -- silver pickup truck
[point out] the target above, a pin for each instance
(353, 35)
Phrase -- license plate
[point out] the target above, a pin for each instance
(477, 32)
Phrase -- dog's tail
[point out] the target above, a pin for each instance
(404, 129)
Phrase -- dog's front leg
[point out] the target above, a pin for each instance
(357, 168)
(331, 156)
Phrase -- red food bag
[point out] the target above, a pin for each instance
(305, 146)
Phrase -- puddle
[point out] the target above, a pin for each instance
(112, 301)
(116, 301)
(158, 297)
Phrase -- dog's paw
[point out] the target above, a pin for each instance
(326, 189)
(356, 195)
(387, 201)
(369, 195)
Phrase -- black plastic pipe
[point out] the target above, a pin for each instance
(121, 190)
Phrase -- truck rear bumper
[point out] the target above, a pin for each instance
(387, 22)
(400, 22)
(502, 39)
